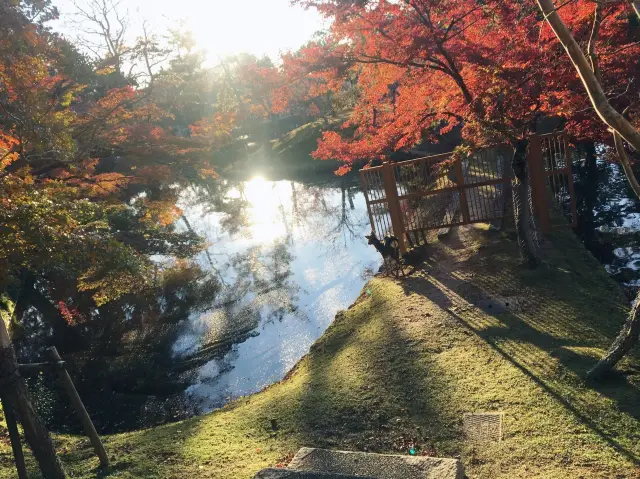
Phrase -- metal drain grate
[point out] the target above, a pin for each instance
(483, 427)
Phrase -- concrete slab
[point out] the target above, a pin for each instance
(381, 466)
(294, 474)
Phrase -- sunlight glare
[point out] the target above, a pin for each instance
(265, 213)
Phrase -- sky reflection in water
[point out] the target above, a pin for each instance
(290, 255)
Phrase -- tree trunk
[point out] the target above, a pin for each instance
(522, 205)
(16, 393)
(621, 129)
(626, 339)
(626, 164)
(605, 111)
(635, 4)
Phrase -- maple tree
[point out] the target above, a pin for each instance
(255, 79)
(91, 162)
(425, 67)
(592, 74)
(305, 89)
(88, 149)
(491, 68)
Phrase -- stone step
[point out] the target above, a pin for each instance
(380, 466)
(296, 474)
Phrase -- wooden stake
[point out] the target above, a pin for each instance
(391, 192)
(14, 436)
(16, 395)
(538, 183)
(81, 411)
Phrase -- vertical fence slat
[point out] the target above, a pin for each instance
(391, 193)
(538, 183)
(572, 196)
(462, 192)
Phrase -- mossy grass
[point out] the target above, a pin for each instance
(400, 368)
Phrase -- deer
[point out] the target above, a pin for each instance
(389, 248)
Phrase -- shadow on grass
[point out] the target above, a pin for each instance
(370, 389)
(556, 314)
(155, 453)
(389, 376)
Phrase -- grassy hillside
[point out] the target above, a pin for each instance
(400, 368)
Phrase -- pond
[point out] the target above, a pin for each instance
(609, 218)
(287, 255)
(290, 255)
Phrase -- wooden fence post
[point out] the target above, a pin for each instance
(365, 190)
(539, 194)
(391, 192)
(462, 192)
(81, 411)
(14, 436)
(569, 171)
(15, 393)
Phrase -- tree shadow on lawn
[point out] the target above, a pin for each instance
(556, 319)
(157, 452)
(371, 388)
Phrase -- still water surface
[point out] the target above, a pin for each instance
(609, 219)
(289, 256)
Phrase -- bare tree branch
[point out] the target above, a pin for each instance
(593, 37)
(609, 115)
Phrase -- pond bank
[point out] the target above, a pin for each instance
(471, 332)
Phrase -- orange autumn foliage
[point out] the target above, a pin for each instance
(492, 69)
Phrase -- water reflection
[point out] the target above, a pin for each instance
(608, 215)
(289, 256)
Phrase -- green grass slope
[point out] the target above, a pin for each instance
(401, 367)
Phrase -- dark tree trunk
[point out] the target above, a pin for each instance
(522, 205)
(591, 157)
(586, 198)
(630, 334)
(16, 394)
(626, 339)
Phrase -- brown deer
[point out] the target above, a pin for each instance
(389, 248)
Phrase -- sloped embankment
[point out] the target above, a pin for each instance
(473, 331)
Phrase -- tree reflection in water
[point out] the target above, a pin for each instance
(290, 255)
(282, 258)
(608, 214)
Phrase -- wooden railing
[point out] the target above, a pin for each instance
(409, 198)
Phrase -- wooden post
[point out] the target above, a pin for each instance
(462, 192)
(14, 436)
(365, 189)
(391, 192)
(538, 183)
(569, 171)
(81, 411)
(16, 395)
